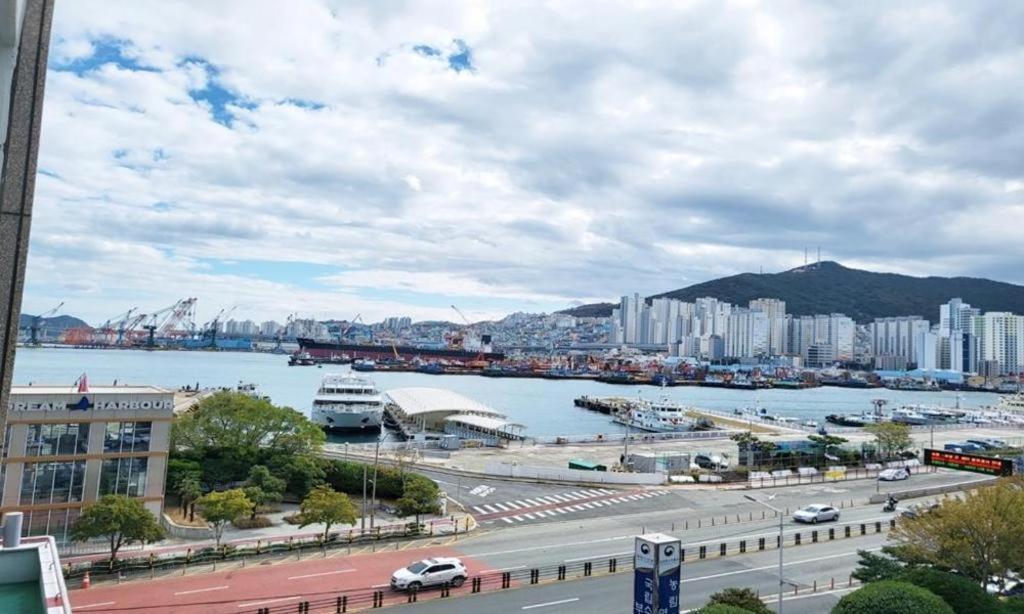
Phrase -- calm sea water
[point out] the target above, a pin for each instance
(544, 406)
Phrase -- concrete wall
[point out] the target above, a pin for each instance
(21, 106)
(183, 532)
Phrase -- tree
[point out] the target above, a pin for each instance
(220, 508)
(231, 432)
(874, 567)
(262, 488)
(960, 593)
(121, 520)
(827, 442)
(189, 490)
(721, 608)
(890, 597)
(892, 438)
(417, 499)
(742, 598)
(981, 535)
(324, 505)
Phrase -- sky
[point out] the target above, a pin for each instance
(396, 157)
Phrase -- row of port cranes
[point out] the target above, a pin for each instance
(171, 326)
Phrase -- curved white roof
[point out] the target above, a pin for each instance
(483, 422)
(419, 401)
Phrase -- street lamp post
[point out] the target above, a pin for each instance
(781, 542)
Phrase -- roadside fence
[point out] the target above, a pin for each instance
(771, 480)
(494, 580)
(172, 560)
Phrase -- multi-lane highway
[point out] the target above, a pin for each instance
(597, 532)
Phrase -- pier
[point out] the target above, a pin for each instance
(611, 406)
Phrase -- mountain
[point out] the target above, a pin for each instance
(828, 287)
(56, 323)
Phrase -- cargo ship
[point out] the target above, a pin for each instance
(324, 350)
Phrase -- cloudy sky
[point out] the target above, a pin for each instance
(395, 157)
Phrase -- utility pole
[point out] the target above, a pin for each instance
(363, 517)
(373, 496)
(778, 513)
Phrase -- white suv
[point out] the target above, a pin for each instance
(429, 572)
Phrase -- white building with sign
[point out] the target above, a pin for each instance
(66, 446)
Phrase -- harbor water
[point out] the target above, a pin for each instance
(544, 406)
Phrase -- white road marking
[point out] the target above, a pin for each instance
(517, 518)
(503, 569)
(380, 585)
(529, 516)
(201, 590)
(93, 605)
(252, 603)
(589, 506)
(322, 573)
(776, 566)
(560, 510)
(544, 605)
(510, 504)
(606, 491)
(559, 498)
(548, 499)
(533, 503)
(522, 503)
(507, 520)
(501, 507)
(490, 509)
(479, 510)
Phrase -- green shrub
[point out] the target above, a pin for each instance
(347, 477)
(742, 598)
(722, 608)
(259, 522)
(891, 597)
(1012, 605)
(962, 594)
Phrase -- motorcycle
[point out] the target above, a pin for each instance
(890, 505)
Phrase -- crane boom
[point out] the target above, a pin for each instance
(38, 320)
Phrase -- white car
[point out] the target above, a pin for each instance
(892, 475)
(816, 513)
(429, 572)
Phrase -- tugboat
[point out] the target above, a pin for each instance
(364, 364)
(301, 359)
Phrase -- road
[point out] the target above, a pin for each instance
(698, 517)
(821, 563)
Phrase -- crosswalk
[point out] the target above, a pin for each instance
(553, 506)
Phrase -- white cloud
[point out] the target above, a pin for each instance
(593, 149)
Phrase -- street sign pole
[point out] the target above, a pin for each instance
(656, 562)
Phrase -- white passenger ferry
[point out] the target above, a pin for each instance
(347, 402)
(662, 416)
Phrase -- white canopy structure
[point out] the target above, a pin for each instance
(447, 411)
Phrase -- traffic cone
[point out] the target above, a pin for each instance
(86, 582)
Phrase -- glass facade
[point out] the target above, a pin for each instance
(56, 482)
(124, 476)
(57, 523)
(54, 439)
(127, 437)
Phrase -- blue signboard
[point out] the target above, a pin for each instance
(643, 591)
(668, 592)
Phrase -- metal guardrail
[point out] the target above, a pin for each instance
(181, 558)
(375, 598)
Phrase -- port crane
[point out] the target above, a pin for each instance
(479, 361)
(352, 322)
(168, 320)
(37, 322)
(210, 328)
(279, 335)
(120, 325)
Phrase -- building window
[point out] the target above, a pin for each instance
(124, 476)
(59, 482)
(57, 523)
(53, 439)
(123, 437)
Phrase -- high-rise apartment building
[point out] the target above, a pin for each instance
(746, 334)
(775, 310)
(897, 336)
(999, 338)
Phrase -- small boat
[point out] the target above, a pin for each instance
(851, 419)
(432, 368)
(301, 359)
(661, 416)
(364, 364)
(251, 390)
(908, 416)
